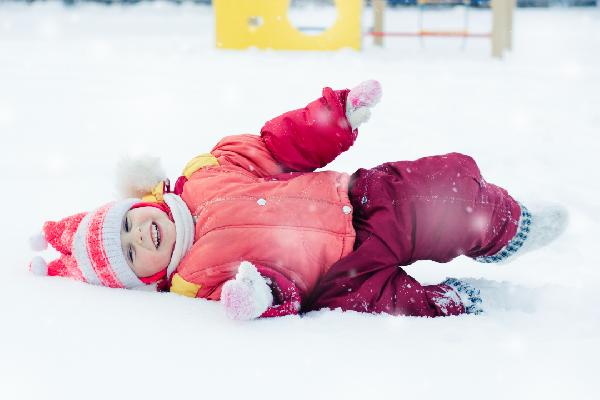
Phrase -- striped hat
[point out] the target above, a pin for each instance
(90, 247)
(90, 243)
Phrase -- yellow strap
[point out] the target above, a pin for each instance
(183, 287)
(156, 196)
(201, 161)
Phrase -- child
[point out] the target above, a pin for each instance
(252, 225)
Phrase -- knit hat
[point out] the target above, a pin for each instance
(90, 243)
(90, 247)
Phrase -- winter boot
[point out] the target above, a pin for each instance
(538, 226)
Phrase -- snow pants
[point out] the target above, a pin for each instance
(435, 208)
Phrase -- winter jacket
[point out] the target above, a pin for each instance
(256, 198)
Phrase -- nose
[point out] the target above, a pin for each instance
(139, 237)
(135, 236)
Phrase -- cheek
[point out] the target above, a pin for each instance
(150, 263)
(172, 234)
(168, 229)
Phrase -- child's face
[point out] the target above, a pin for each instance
(147, 240)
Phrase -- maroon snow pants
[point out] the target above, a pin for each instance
(435, 208)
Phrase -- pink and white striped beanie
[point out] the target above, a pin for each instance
(90, 243)
(90, 247)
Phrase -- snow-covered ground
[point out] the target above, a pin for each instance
(80, 86)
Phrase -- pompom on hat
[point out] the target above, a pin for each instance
(90, 243)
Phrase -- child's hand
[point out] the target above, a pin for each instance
(360, 100)
(248, 295)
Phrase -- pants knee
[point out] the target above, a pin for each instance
(464, 165)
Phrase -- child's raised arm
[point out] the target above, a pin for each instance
(300, 140)
(311, 137)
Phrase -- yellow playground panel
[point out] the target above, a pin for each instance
(265, 24)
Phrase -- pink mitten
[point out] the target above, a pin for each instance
(248, 295)
(360, 100)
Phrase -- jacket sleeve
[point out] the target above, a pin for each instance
(311, 137)
(286, 296)
(247, 152)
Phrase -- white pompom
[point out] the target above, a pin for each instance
(38, 242)
(358, 116)
(38, 266)
(137, 177)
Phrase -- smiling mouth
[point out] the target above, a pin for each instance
(155, 234)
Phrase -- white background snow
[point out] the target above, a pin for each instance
(80, 86)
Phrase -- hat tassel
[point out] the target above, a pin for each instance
(38, 242)
(38, 266)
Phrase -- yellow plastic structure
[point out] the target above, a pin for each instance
(265, 24)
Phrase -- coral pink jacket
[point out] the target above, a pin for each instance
(262, 204)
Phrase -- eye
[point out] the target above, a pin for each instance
(130, 253)
(126, 224)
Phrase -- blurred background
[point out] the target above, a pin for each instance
(522, 3)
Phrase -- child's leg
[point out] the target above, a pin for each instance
(435, 208)
(368, 280)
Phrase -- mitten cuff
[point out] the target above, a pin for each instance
(286, 295)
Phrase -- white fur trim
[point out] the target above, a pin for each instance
(247, 296)
(38, 266)
(38, 242)
(137, 177)
(358, 116)
(184, 229)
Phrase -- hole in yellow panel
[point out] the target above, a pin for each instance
(255, 22)
(312, 17)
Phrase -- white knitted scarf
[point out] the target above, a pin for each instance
(184, 229)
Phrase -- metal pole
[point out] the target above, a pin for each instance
(466, 5)
(498, 27)
(378, 13)
(510, 4)
(421, 5)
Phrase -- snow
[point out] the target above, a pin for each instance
(81, 86)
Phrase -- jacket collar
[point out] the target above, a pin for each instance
(184, 230)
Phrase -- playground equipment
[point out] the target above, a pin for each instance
(265, 24)
(502, 24)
